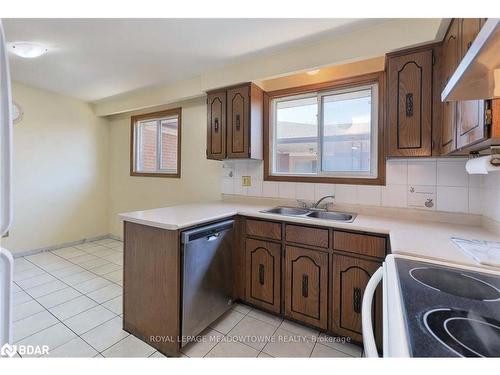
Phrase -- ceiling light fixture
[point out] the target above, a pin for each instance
(312, 72)
(27, 50)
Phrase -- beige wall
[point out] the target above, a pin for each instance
(325, 74)
(60, 171)
(200, 178)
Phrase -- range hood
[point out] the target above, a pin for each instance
(478, 74)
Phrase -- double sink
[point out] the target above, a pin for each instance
(345, 217)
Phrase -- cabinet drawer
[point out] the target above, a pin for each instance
(307, 235)
(360, 244)
(266, 229)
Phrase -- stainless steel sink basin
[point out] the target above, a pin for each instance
(345, 217)
(333, 215)
(288, 211)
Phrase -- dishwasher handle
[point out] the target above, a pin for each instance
(209, 232)
(213, 237)
(366, 314)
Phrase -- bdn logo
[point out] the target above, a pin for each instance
(11, 350)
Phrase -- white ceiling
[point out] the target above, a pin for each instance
(92, 59)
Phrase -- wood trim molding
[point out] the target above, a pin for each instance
(377, 77)
(152, 115)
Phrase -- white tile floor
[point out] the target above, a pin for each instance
(71, 300)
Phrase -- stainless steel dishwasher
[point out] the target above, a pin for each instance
(207, 275)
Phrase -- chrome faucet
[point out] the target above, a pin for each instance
(316, 205)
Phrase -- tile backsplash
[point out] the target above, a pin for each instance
(490, 196)
(428, 184)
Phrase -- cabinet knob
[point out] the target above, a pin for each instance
(216, 124)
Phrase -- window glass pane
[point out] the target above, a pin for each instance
(146, 152)
(347, 132)
(296, 136)
(169, 135)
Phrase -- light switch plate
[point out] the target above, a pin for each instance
(246, 180)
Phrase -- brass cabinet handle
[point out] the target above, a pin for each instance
(305, 286)
(261, 274)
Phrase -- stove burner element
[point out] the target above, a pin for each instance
(464, 333)
(455, 283)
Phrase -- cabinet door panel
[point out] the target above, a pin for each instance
(469, 28)
(350, 277)
(450, 53)
(470, 113)
(306, 288)
(410, 104)
(470, 119)
(238, 116)
(216, 123)
(263, 270)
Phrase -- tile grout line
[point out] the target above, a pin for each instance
(74, 264)
(83, 294)
(62, 322)
(69, 286)
(72, 287)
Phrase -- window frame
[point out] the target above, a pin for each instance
(134, 136)
(322, 89)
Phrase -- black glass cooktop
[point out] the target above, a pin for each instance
(450, 312)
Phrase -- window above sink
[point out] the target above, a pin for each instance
(328, 132)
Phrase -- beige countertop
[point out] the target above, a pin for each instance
(417, 237)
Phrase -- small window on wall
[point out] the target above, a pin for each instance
(331, 134)
(156, 144)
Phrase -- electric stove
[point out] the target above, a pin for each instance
(449, 312)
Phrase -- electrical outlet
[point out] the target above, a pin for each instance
(246, 180)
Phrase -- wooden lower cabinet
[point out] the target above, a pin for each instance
(263, 274)
(306, 286)
(312, 275)
(152, 286)
(350, 277)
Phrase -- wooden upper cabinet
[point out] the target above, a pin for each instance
(241, 126)
(470, 113)
(216, 125)
(410, 103)
(450, 58)
(306, 286)
(469, 28)
(263, 274)
(238, 102)
(350, 277)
